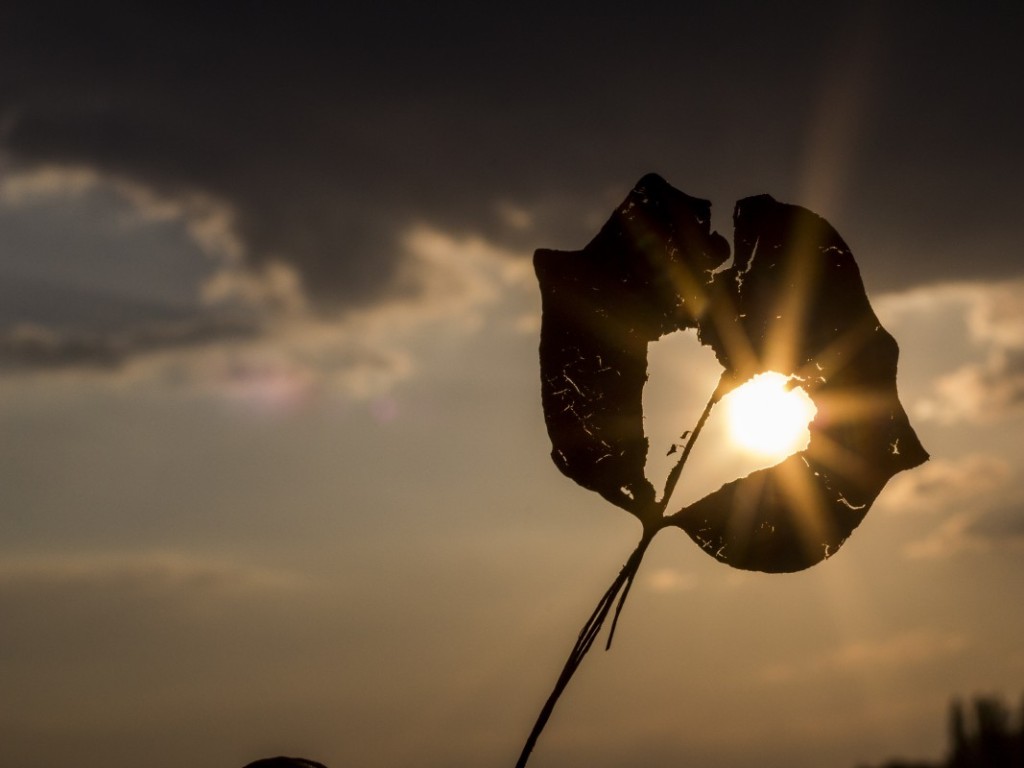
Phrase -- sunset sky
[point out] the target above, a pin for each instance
(274, 476)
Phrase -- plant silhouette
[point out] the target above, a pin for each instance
(791, 300)
(982, 736)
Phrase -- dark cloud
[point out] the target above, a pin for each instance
(994, 529)
(999, 385)
(330, 128)
(86, 260)
(32, 347)
(1002, 525)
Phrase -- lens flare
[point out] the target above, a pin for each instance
(769, 416)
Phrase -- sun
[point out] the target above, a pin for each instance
(769, 416)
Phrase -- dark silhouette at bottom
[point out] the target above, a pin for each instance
(984, 736)
(285, 762)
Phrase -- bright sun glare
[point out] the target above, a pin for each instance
(769, 417)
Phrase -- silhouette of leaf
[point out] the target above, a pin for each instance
(641, 277)
(792, 301)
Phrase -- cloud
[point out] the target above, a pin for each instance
(304, 164)
(447, 285)
(668, 580)
(984, 392)
(299, 150)
(973, 531)
(25, 187)
(138, 573)
(248, 332)
(276, 288)
(253, 337)
(33, 347)
(911, 648)
(944, 485)
(1001, 525)
(990, 386)
(207, 220)
(327, 132)
(949, 538)
(113, 301)
(992, 389)
(997, 317)
(967, 496)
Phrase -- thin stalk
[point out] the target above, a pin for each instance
(653, 522)
(673, 476)
(586, 639)
(670, 486)
(618, 610)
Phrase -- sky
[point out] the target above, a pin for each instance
(274, 476)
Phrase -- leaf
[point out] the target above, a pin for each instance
(792, 301)
(641, 277)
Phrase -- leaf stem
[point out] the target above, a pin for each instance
(652, 522)
(587, 635)
(673, 476)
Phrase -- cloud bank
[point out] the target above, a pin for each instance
(909, 648)
(323, 135)
(242, 329)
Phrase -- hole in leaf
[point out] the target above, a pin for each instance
(755, 426)
(681, 374)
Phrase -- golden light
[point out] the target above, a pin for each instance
(769, 416)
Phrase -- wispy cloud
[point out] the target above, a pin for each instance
(209, 221)
(964, 501)
(447, 285)
(992, 387)
(159, 571)
(911, 648)
(946, 484)
(33, 347)
(668, 580)
(980, 392)
(973, 531)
